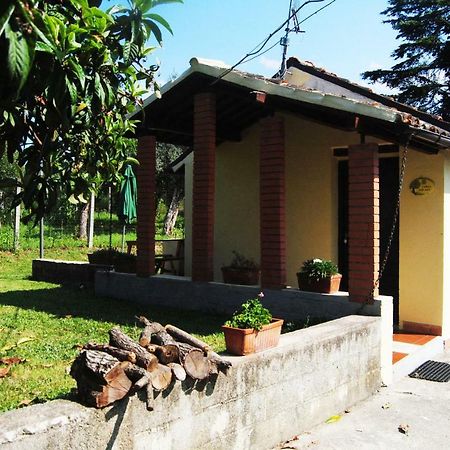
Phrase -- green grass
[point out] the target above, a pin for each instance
(46, 323)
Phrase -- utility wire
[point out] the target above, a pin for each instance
(256, 50)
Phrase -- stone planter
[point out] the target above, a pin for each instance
(243, 341)
(243, 276)
(328, 285)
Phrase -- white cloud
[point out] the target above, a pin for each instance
(270, 63)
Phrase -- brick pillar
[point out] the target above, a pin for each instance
(363, 220)
(272, 204)
(203, 187)
(146, 207)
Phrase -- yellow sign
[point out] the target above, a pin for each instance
(422, 186)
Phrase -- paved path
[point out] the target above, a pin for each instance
(423, 406)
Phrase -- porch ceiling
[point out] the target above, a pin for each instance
(170, 118)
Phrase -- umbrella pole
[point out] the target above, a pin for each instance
(123, 237)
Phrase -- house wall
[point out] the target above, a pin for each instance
(188, 191)
(424, 225)
(311, 195)
(312, 215)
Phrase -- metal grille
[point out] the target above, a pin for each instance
(432, 371)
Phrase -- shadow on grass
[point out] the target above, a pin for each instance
(65, 301)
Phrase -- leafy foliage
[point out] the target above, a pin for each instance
(251, 315)
(72, 74)
(316, 269)
(423, 73)
(239, 261)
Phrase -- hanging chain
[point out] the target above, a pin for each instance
(394, 222)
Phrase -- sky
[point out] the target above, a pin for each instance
(346, 38)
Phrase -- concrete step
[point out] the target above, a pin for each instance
(413, 355)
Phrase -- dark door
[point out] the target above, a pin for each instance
(388, 199)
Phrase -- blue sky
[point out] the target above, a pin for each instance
(346, 38)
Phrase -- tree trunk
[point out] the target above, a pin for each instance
(172, 212)
(144, 359)
(161, 377)
(100, 378)
(194, 362)
(120, 354)
(84, 216)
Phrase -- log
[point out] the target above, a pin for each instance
(161, 377)
(168, 353)
(178, 371)
(182, 336)
(120, 354)
(194, 362)
(144, 359)
(101, 379)
(134, 372)
(157, 332)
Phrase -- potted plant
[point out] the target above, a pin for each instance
(317, 275)
(104, 256)
(242, 270)
(252, 329)
(125, 263)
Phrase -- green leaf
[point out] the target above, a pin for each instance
(165, 2)
(19, 63)
(99, 91)
(159, 19)
(154, 29)
(4, 18)
(333, 419)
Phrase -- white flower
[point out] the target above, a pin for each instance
(261, 295)
(317, 260)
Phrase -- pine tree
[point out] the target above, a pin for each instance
(422, 75)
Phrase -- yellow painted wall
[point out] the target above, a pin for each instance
(421, 243)
(312, 213)
(237, 200)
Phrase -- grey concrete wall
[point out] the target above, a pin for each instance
(266, 398)
(220, 298)
(65, 272)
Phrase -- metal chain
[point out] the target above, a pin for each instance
(394, 222)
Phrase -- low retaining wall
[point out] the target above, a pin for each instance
(65, 272)
(219, 298)
(266, 398)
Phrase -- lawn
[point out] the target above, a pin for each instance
(45, 324)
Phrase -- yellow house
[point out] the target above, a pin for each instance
(311, 166)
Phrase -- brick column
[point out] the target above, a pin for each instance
(272, 204)
(363, 220)
(203, 187)
(146, 208)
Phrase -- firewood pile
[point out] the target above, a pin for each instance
(106, 373)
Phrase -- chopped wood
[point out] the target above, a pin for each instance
(182, 336)
(120, 354)
(178, 371)
(168, 353)
(194, 362)
(222, 364)
(134, 372)
(161, 377)
(100, 378)
(144, 358)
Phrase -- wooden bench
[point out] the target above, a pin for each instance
(172, 258)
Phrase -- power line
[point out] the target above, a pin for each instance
(259, 47)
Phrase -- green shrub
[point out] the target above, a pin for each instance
(317, 268)
(251, 315)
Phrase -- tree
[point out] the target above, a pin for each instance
(73, 74)
(169, 186)
(423, 74)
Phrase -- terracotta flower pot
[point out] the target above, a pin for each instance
(232, 275)
(328, 285)
(243, 341)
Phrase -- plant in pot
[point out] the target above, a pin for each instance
(317, 275)
(252, 329)
(242, 270)
(125, 263)
(104, 256)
